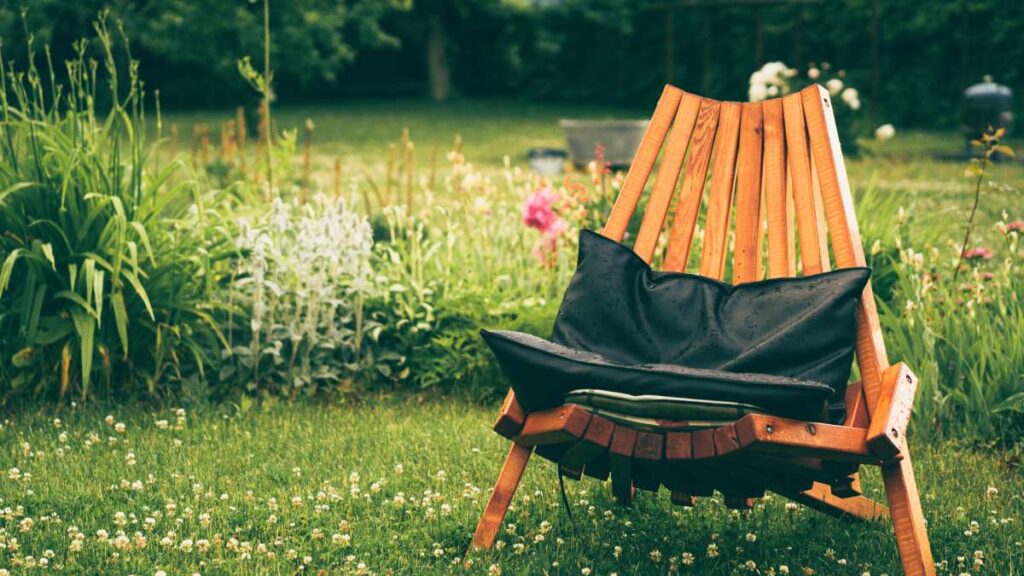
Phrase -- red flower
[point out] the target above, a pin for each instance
(1015, 226)
(978, 254)
(537, 212)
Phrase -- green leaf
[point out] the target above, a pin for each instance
(52, 329)
(86, 330)
(14, 188)
(8, 268)
(23, 358)
(134, 281)
(47, 249)
(120, 318)
(1014, 403)
(77, 299)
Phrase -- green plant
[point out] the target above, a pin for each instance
(94, 277)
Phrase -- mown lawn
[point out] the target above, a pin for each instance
(395, 487)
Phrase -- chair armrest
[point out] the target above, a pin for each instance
(888, 429)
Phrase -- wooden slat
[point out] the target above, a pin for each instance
(888, 430)
(723, 179)
(799, 165)
(681, 236)
(620, 460)
(845, 235)
(643, 162)
(771, 434)
(856, 409)
(510, 418)
(780, 248)
(820, 498)
(594, 442)
(681, 473)
(747, 250)
(648, 456)
(819, 212)
(504, 490)
(667, 177)
(555, 426)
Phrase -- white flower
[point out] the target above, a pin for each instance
(834, 86)
(885, 132)
(813, 73)
(757, 92)
(850, 95)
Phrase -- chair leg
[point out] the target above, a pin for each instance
(907, 517)
(501, 498)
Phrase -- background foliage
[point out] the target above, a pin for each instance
(910, 58)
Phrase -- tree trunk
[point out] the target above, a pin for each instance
(437, 60)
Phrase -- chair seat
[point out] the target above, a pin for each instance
(744, 458)
(543, 372)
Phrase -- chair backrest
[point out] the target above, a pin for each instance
(778, 161)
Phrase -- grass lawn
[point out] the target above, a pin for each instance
(395, 487)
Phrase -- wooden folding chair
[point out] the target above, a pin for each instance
(773, 160)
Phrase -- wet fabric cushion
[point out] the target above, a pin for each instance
(627, 328)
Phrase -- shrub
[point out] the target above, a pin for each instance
(95, 280)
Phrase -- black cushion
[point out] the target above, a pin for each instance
(783, 344)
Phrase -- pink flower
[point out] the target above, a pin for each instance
(978, 254)
(1015, 226)
(537, 211)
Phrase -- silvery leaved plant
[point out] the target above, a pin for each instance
(302, 276)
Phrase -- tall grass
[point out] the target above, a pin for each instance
(96, 279)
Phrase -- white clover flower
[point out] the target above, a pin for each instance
(813, 73)
(834, 86)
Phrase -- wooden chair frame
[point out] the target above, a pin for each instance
(770, 163)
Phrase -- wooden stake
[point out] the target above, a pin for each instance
(242, 138)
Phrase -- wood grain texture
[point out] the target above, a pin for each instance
(594, 442)
(888, 429)
(497, 505)
(780, 247)
(845, 235)
(723, 178)
(908, 518)
(510, 418)
(774, 435)
(667, 178)
(697, 165)
(820, 498)
(747, 250)
(643, 162)
(799, 165)
(559, 425)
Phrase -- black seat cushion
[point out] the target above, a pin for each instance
(785, 345)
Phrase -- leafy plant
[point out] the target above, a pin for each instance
(93, 276)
